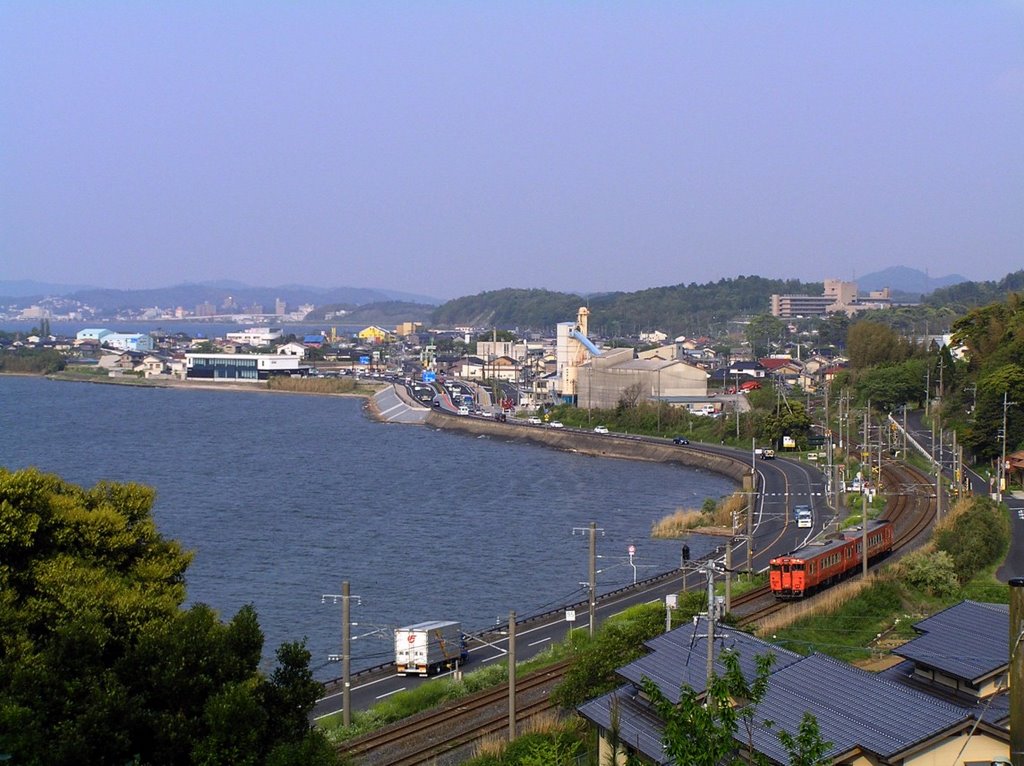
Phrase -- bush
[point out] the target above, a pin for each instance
(976, 535)
(615, 644)
(932, 572)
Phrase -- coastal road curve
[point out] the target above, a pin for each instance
(781, 483)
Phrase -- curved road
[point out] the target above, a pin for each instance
(781, 484)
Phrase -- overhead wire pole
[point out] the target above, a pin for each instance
(864, 495)
(709, 568)
(1016, 671)
(346, 652)
(750, 507)
(592, 570)
(1002, 460)
(511, 676)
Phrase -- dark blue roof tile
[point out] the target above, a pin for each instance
(967, 641)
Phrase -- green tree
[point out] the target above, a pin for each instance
(703, 731)
(833, 329)
(870, 343)
(892, 385)
(762, 332)
(711, 729)
(791, 420)
(975, 535)
(807, 748)
(98, 661)
(932, 572)
(597, 659)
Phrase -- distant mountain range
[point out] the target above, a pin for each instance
(684, 308)
(190, 295)
(901, 279)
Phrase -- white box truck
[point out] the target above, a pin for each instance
(427, 647)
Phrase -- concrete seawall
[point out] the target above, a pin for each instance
(599, 445)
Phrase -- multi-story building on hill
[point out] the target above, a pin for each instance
(837, 296)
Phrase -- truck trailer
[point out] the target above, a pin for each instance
(427, 647)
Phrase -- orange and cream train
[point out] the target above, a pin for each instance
(818, 565)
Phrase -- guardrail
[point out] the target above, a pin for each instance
(549, 615)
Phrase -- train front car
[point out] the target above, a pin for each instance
(787, 577)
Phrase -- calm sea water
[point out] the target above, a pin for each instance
(281, 497)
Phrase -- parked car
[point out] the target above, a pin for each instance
(600, 429)
(534, 421)
(555, 424)
(680, 440)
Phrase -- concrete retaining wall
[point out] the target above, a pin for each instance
(599, 445)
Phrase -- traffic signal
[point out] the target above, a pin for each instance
(686, 552)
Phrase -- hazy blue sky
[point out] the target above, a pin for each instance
(446, 148)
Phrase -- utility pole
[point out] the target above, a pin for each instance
(592, 530)
(938, 476)
(1016, 674)
(750, 506)
(864, 495)
(728, 573)
(511, 675)
(346, 653)
(592, 569)
(709, 569)
(1002, 460)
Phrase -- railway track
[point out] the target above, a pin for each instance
(453, 728)
(910, 506)
(427, 737)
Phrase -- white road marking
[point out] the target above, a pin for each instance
(540, 642)
(388, 694)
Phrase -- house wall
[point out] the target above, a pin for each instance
(980, 747)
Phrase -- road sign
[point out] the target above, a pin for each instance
(632, 550)
(429, 376)
(570, 615)
(364, 360)
(816, 441)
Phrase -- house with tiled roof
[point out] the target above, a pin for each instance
(945, 704)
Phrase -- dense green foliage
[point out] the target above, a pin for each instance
(702, 729)
(871, 343)
(890, 386)
(710, 729)
(558, 748)
(968, 295)
(645, 418)
(99, 663)
(510, 308)
(994, 336)
(596, 659)
(691, 309)
(975, 536)
(932, 572)
(40, 361)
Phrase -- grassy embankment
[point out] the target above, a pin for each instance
(646, 419)
(715, 519)
(862, 620)
(429, 695)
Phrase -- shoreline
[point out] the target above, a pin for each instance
(186, 385)
(594, 445)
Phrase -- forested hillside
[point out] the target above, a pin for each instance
(969, 295)
(690, 309)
